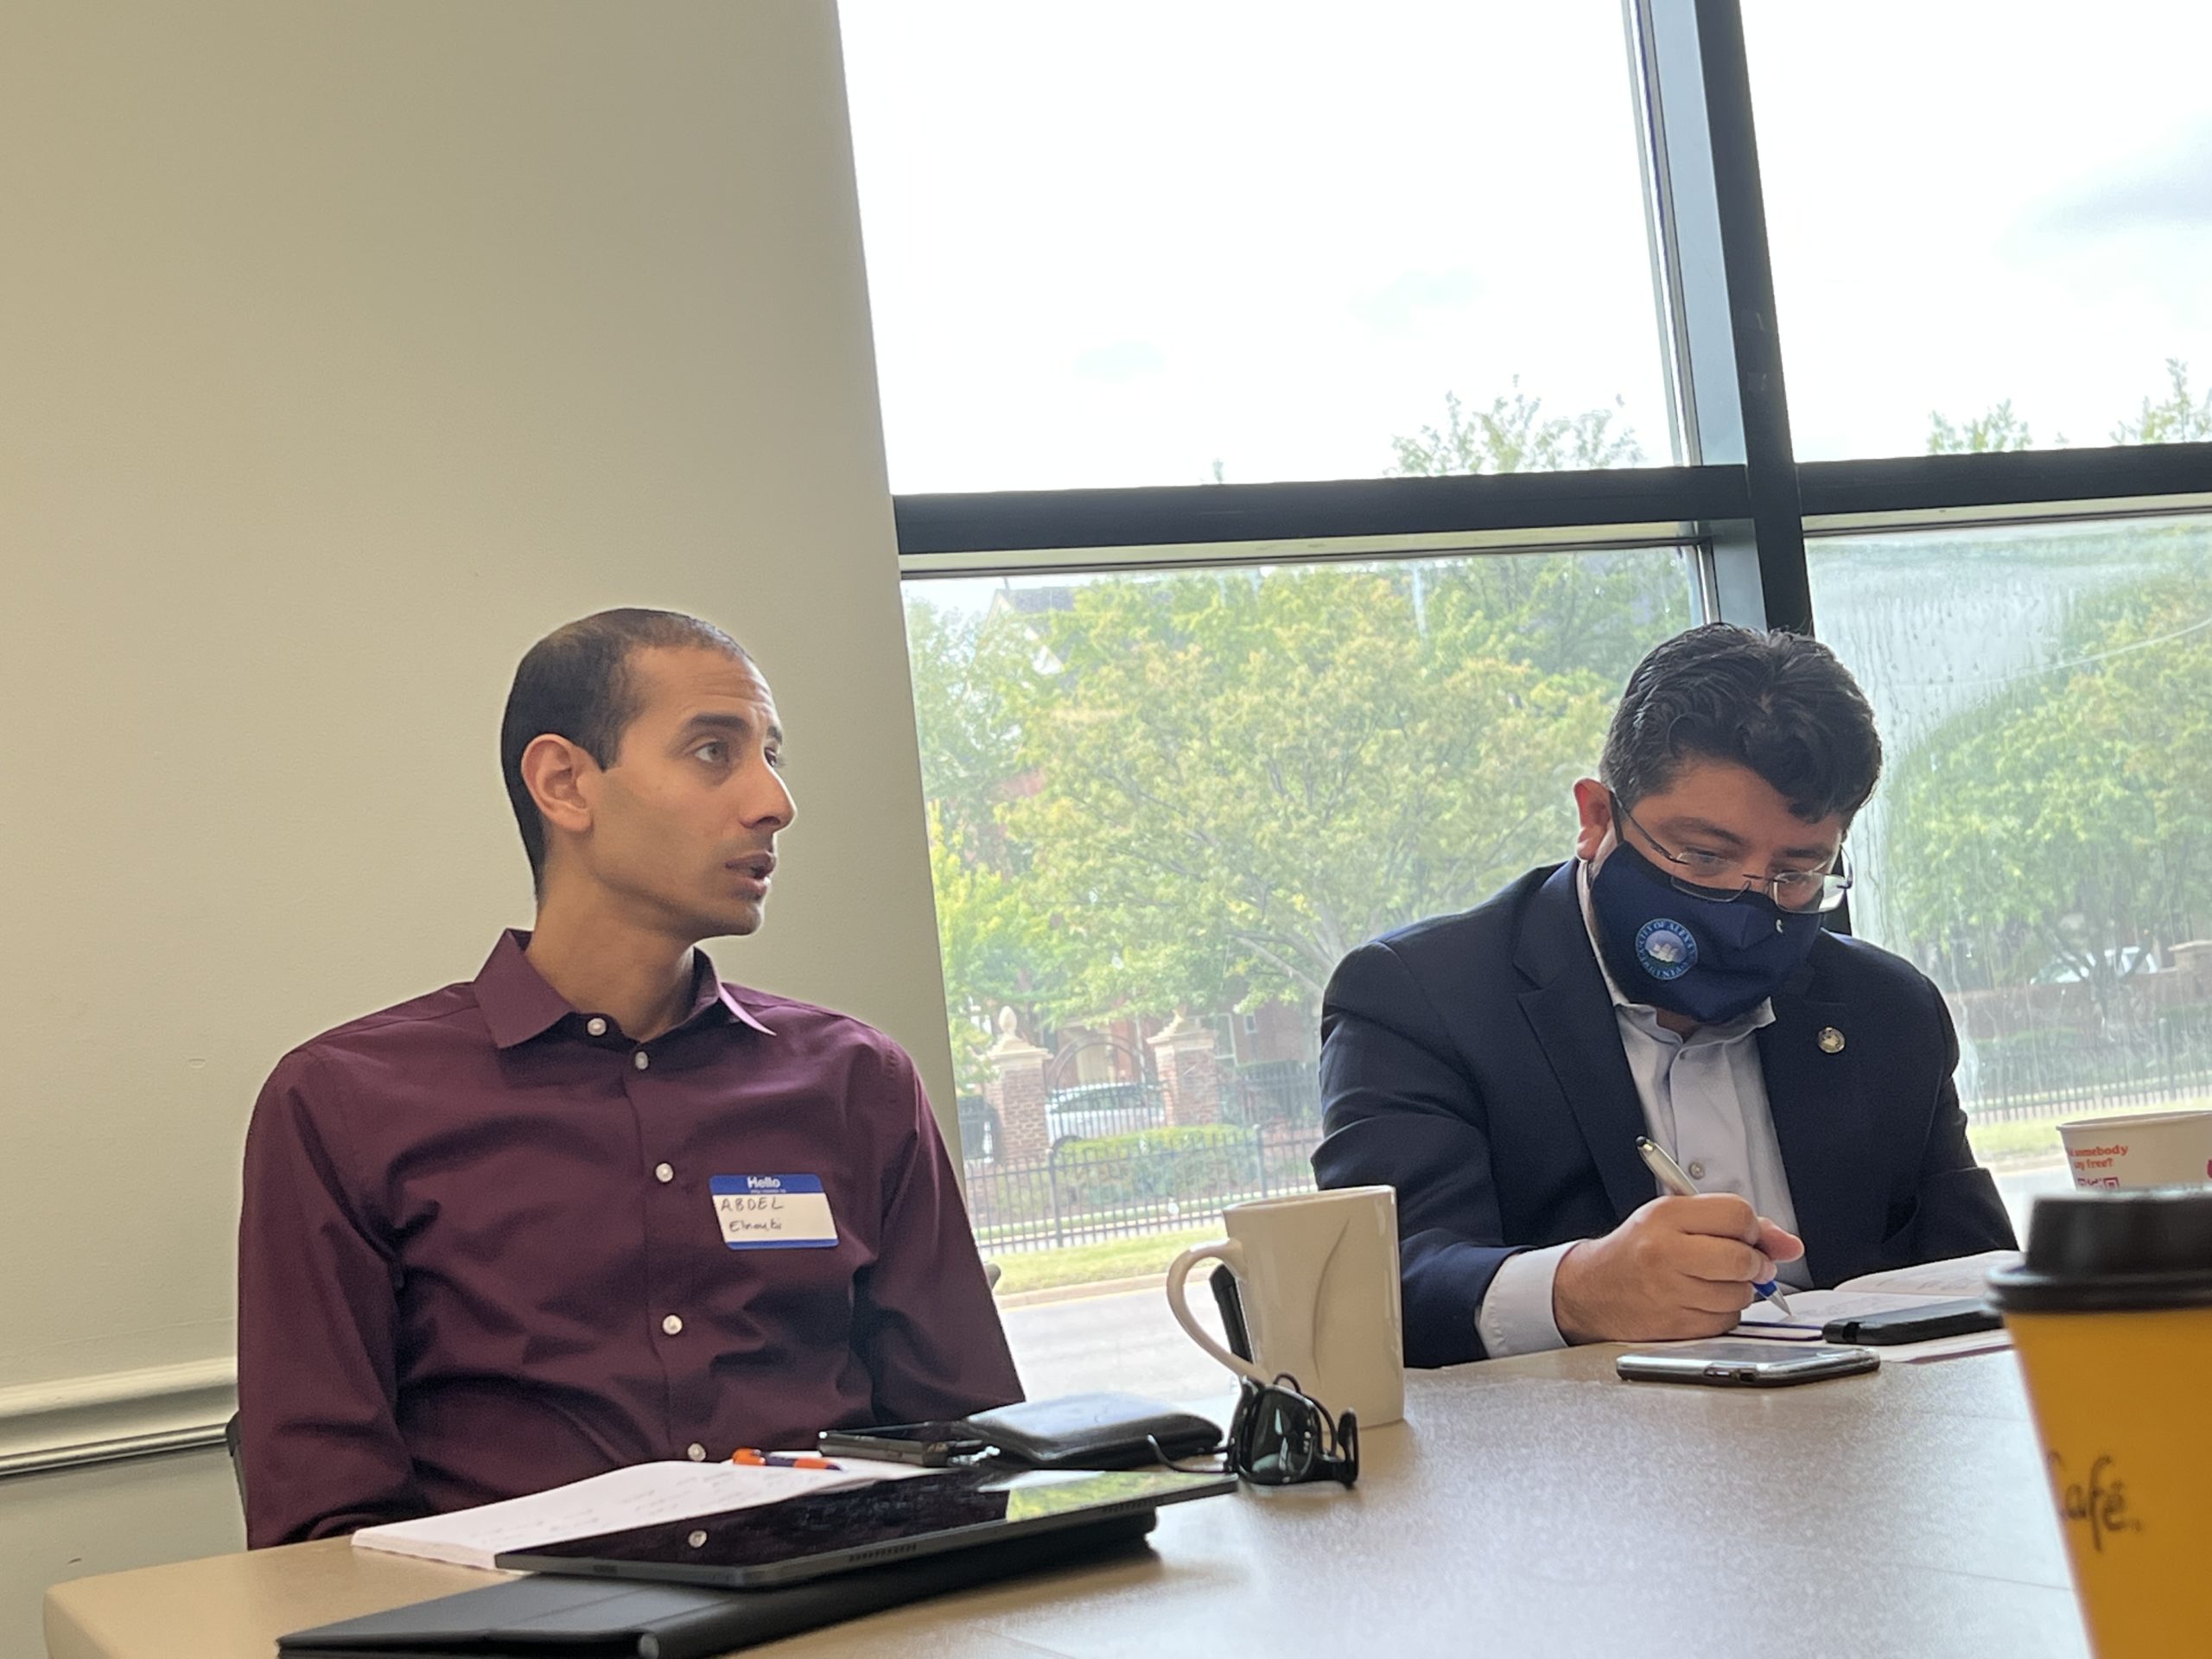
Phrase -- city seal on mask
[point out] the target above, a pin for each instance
(1710, 959)
(1665, 948)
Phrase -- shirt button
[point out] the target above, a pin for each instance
(663, 1174)
(641, 1060)
(1697, 1172)
(596, 1025)
(695, 1452)
(673, 1326)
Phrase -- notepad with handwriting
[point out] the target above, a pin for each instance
(640, 1496)
(1880, 1292)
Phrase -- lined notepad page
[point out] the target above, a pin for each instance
(1961, 1276)
(641, 1496)
(1879, 1292)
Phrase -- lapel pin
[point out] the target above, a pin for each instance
(1830, 1039)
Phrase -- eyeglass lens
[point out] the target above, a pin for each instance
(1286, 1439)
(1280, 1436)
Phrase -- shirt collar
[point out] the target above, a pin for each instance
(519, 1005)
(1645, 1013)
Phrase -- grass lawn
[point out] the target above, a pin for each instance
(1085, 1264)
(2036, 1139)
(2014, 1143)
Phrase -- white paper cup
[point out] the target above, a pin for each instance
(2151, 1149)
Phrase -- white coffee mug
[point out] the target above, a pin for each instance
(1317, 1275)
(2149, 1149)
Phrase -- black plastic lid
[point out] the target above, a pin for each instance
(2106, 1249)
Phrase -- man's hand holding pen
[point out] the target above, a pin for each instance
(1679, 1267)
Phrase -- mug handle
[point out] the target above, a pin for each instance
(1231, 1255)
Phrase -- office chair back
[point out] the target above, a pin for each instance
(230, 1444)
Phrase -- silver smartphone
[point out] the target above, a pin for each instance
(1743, 1364)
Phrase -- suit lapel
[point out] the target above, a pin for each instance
(1810, 1086)
(1572, 1014)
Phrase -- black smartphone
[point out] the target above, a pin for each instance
(1930, 1319)
(933, 1445)
(1232, 1313)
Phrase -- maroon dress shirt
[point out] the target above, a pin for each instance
(479, 1253)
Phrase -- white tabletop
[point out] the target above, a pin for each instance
(1527, 1507)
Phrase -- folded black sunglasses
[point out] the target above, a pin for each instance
(1280, 1436)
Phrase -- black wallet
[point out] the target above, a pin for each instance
(1093, 1431)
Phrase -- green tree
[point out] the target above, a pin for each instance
(2176, 418)
(2066, 823)
(1591, 612)
(1996, 429)
(999, 950)
(972, 677)
(1198, 791)
(1514, 435)
(1557, 615)
(1246, 774)
(971, 743)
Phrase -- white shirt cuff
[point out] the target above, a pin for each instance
(1515, 1317)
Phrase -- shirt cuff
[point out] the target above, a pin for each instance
(1515, 1317)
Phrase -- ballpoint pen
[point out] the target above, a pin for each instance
(1671, 1176)
(753, 1459)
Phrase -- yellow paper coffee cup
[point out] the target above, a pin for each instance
(2112, 1316)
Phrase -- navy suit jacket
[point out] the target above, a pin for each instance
(1473, 1063)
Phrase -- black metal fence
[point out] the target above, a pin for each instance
(2121, 1096)
(2056, 1070)
(1273, 1091)
(1120, 1173)
(1118, 1186)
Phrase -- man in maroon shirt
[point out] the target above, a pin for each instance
(596, 1206)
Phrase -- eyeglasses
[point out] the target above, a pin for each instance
(1280, 1436)
(1714, 875)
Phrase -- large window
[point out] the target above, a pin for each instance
(1301, 417)
(1160, 243)
(1164, 805)
(1192, 793)
(2040, 846)
(1990, 220)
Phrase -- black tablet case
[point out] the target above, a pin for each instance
(592, 1619)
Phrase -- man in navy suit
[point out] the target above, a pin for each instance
(1673, 980)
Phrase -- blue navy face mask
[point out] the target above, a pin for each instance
(1701, 957)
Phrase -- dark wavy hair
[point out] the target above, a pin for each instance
(576, 683)
(1779, 703)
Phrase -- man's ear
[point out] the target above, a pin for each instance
(1593, 811)
(559, 775)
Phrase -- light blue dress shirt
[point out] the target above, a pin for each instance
(1704, 1099)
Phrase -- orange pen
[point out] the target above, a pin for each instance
(753, 1458)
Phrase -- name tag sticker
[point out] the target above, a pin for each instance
(773, 1212)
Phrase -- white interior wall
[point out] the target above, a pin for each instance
(344, 349)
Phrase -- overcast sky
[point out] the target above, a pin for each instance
(1118, 244)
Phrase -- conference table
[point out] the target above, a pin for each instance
(1527, 1506)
